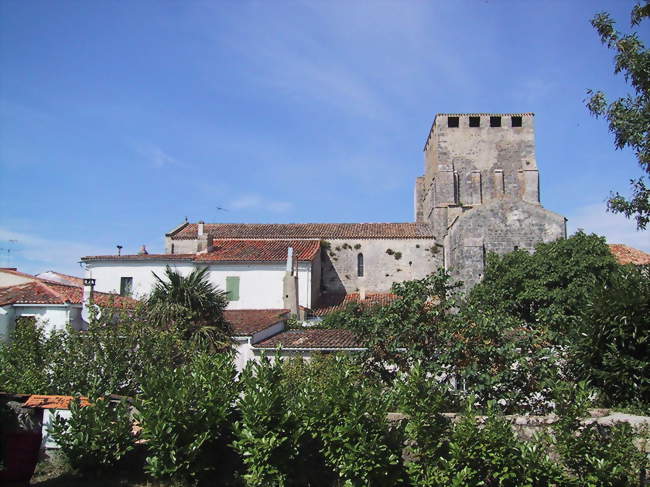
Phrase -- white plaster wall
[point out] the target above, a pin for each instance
(107, 274)
(52, 317)
(6, 322)
(260, 284)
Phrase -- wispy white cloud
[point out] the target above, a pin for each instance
(257, 202)
(33, 253)
(616, 228)
(157, 157)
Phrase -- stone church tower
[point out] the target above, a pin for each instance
(480, 189)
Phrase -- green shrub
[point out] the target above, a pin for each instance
(185, 412)
(549, 287)
(348, 416)
(612, 347)
(24, 359)
(266, 435)
(595, 455)
(95, 437)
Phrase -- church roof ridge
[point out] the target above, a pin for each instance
(307, 230)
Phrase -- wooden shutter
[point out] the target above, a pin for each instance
(232, 288)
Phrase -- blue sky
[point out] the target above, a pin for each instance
(119, 119)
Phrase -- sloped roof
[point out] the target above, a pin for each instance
(336, 302)
(231, 250)
(247, 322)
(49, 292)
(629, 255)
(259, 250)
(60, 277)
(305, 230)
(313, 339)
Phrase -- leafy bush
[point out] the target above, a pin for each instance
(613, 344)
(549, 287)
(595, 455)
(266, 435)
(349, 417)
(496, 357)
(96, 437)
(24, 359)
(185, 412)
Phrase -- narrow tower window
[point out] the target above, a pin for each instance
(474, 121)
(452, 122)
(360, 265)
(495, 121)
(516, 121)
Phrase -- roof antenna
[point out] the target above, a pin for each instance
(119, 249)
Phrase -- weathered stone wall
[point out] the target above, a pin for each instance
(385, 261)
(501, 226)
(469, 166)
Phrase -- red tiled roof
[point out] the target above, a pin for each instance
(49, 292)
(629, 255)
(247, 322)
(52, 402)
(311, 339)
(233, 250)
(306, 230)
(336, 302)
(259, 250)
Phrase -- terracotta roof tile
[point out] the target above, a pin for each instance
(52, 402)
(311, 339)
(259, 250)
(336, 302)
(247, 322)
(306, 230)
(48, 292)
(629, 255)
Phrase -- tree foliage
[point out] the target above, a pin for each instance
(629, 116)
(550, 287)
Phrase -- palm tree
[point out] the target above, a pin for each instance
(192, 304)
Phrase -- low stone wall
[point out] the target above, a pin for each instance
(527, 426)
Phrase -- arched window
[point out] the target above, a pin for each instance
(360, 265)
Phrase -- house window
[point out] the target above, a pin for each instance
(360, 265)
(495, 121)
(126, 286)
(232, 288)
(516, 121)
(474, 121)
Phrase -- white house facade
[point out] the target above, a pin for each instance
(252, 272)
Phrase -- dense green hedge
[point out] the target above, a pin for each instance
(325, 423)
